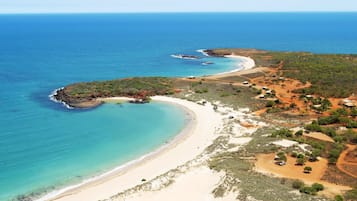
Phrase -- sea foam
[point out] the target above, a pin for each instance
(52, 97)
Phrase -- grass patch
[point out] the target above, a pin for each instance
(227, 94)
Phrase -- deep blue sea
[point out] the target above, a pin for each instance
(44, 146)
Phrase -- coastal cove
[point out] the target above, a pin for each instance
(113, 138)
(184, 147)
(193, 140)
(65, 151)
(211, 120)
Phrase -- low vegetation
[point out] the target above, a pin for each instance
(141, 88)
(298, 184)
(351, 194)
(313, 189)
(145, 86)
(331, 75)
(226, 93)
(340, 116)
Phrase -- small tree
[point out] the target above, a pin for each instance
(326, 104)
(318, 187)
(353, 112)
(351, 136)
(298, 184)
(270, 104)
(340, 112)
(308, 190)
(334, 154)
(300, 156)
(307, 169)
(284, 132)
(314, 154)
(300, 161)
(299, 133)
(338, 198)
(281, 157)
(294, 154)
(314, 126)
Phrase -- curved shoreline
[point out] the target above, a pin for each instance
(244, 63)
(87, 193)
(152, 164)
(59, 95)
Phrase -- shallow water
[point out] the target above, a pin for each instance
(43, 144)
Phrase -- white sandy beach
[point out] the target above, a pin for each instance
(194, 139)
(195, 184)
(245, 63)
(115, 99)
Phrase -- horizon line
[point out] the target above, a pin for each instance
(168, 12)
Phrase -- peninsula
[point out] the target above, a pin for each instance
(284, 127)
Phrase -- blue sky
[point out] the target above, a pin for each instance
(74, 6)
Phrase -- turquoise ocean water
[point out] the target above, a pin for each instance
(43, 145)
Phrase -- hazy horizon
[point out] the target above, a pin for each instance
(182, 12)
(174, 6)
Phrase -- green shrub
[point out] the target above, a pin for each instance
(339, 138)
(273, 110)
(340, 112)
(307, 169)
(270, 104)
(353, 112)
(314, 126)
(318, 187)
(300, 156)
(293, 154)
(316, 144)
(282, 156)
(338, 198)
(329, 131)
(351, 136)
(328, 120)
(351, 124)
(300, 161)
(351, 194)
(335, 153)
(314, 154)
(299, 133)
(343, 120)
(308, 190)
(284, 132)
(298, 184)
